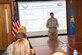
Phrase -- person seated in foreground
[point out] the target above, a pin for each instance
(10, 48)
(23, 29)
(58, 53)
(21, 34)
(21, 47)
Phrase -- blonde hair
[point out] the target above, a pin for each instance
(22, 29)
(58, 53)
(21, 47)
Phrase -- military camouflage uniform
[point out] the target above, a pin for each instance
(52, 25)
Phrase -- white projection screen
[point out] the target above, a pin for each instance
(34, 15)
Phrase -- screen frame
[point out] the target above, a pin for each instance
(67, 16)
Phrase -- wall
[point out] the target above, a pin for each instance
(77, 5)
(5, 38)
(5, 1)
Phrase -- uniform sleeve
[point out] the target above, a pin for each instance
(57, 24)
(47, 23)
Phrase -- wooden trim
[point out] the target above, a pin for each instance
(4, 2)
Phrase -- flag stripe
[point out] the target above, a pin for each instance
(16, 22)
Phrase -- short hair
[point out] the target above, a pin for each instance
(21, 35)
(22, 29)
(51, 13)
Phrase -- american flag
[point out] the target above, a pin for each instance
(16, 22)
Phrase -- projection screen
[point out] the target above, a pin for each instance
(34, 15)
